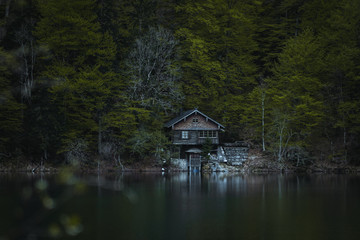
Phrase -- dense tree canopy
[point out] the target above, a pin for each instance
(101, 77)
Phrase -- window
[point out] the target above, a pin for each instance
(195, 120)
(185, 135)
(208, 134)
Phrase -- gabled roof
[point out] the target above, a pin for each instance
(187, 114)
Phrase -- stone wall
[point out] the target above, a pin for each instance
(235, 153)
(219, 167)
(179, 164)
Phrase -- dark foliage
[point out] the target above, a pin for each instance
(99, 78)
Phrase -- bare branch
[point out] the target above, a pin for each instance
(154, 76)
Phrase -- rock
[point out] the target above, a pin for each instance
(235, 153)
(179, 164)
(219, 167)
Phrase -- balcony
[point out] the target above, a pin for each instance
(203, 140)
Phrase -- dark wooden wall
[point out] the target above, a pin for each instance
(193, 138)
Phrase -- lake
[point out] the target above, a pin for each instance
(179, 206)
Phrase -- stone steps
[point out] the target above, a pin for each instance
(235, 155)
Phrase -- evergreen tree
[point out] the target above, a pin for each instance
(102, 74)
(217, 49)
(80, 70)
(154, 88)
(295, 92)
(10, 109)
(336, 25)
(276, 22)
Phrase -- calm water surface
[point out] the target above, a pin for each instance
(180, 206)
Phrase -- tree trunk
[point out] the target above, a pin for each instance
(7, 8)
(281, 132)
(99, 143)
(280, 148)
(118, 161)
(345, 145)
(99, 137)
(263, 120)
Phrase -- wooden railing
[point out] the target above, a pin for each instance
(203, 140)
(195, 141)
(195, 161)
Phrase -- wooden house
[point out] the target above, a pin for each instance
(190, 130)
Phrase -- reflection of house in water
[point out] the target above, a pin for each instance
(223, 184)
(190, 131)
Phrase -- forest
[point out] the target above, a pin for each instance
(97, 79)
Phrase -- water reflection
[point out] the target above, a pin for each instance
(185, 206)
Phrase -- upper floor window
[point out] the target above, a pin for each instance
(208, 134)
(195, 120)
(185, 135)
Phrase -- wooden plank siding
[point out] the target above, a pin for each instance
(202, 123)
(193, 138)
(193, 128)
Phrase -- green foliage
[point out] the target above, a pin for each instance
(85, 87)
(206, 148)
(254, 106)
(10, 110)
(145, 143)
(69, 29)
(336, 24)
(218, 57)
(295, 90)
(107, 74)
(154, 75)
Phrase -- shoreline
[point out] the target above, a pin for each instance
(257, 163)
(249, 167)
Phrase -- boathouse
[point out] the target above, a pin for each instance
(190, 131)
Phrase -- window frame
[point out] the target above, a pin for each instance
(184, 134)
(208, 134)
